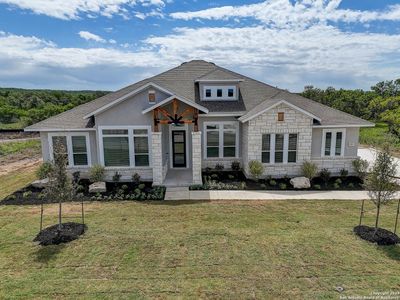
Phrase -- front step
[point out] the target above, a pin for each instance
(177, 193)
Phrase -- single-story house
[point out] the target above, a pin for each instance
(198, 115)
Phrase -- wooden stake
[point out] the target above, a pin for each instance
(397, 216)
(41, 216)
(83, 216)
(361, 212)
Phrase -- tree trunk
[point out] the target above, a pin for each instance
(378, 210)
(59, 215)
(361, 212)
(397, 216)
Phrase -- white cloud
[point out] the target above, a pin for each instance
(72, 9)
(86, 35)
(284, 13)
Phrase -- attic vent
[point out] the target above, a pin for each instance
(152, 96)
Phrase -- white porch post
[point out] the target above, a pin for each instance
(156, 150)
(196, 157)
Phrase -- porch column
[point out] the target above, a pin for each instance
(196, 157)
(156, 151)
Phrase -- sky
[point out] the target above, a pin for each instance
(108, 44)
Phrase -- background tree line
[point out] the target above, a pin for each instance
(381, 103)
(25, 107)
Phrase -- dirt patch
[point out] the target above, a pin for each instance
(15, 163)
(53, 235)
(382, 236)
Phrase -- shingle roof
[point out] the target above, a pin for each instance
(182, 82)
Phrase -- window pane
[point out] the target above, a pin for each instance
(219, 92)
(292, 142)
(279, 157)
(230, 92)
(79, 144)
(141, 160)
(208, 93)
(266, 142)
(80, 159)
(229, 138)
(139, 131)
(292, 156)
(212, 152)
(213, 126)
(279, 142)
(338, 148)
(229, 151)
(116, 151)
(265, 157)
(141, 145)
(328, 142)
(212, 138)
(115, 131)
(230, 126)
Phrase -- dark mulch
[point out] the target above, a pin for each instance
(53, 236)
(382, 237)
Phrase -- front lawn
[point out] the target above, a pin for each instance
(379, 135)
(231, 249)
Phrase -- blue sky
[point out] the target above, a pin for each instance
(107, 44)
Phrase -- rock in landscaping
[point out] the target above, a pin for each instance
(382, 236)
(98, 187)
(300, 182)
(53, 235)
(40, 184)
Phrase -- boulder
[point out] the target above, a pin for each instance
(98, 187)
(40, 184)
(300, 182)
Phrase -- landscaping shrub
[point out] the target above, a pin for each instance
(256, 169)
(96, 173)
(219, 167)
(263, 186)
(325, 175)
(231, 177)
(351, 185)
(124, 187)
(309, 169)
(116, 177)
(141, 186)
(344, 173)
(27, 194)
(208, 169)
(44, 170)
(282, 186)
(272, 182)
(235, 165)
(360, 167)
(214, 176)
(136, 178)
(336, 186)
(317, 186)
(338, 181)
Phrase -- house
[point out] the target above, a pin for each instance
(198, 115)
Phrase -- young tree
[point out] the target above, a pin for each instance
(60, 186)
(380, 182)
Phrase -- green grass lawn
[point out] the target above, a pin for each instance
(13, 181)
(378, 135)
(229, 250)
(16, 147)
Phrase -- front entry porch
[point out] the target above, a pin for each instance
(176, 144)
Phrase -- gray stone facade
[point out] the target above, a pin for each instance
(196, 157)
(156, 139)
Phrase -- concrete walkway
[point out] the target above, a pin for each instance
(182, 193)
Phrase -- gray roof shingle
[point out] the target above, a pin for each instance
(182, 82)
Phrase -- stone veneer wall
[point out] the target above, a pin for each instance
(146, 173)
(196, 157)
(294, 122)
(334, 165)
(156, 148)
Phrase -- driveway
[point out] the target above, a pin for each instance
(369, 154)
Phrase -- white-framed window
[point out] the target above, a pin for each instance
(280, 148)
(75, 146)
(333, 142)
(221, 139)
(228, 92)
(124, 146)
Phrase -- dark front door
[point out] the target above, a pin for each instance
(179, 149)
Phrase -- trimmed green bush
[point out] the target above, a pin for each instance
(360, 167)
(283, 186)
(272, 182)
(96, 173)
(235, 165)
(325, 175)
(219, 167)
(44, 170)
(317, 186)
(27, 194)
(256, 169)
(344, 173)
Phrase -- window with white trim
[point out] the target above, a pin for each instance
(212, 92)
(333, 143)
(221, 139)
(73, 145)
(279, 148)
(125, 147)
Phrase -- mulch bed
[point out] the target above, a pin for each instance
(53, 236)
(382, 237)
